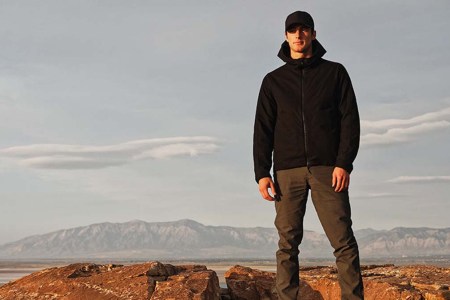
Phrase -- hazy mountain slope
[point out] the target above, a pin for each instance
(189, 239)
(402, 241)
(179, 239)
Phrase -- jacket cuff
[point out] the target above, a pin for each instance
(262, 175)
(346, 167)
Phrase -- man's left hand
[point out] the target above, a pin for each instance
(341, 179)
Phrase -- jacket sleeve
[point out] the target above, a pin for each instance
(350, 127)
(263, 134)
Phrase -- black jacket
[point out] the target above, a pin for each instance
(306, 114)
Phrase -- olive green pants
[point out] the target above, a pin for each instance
(333, 210)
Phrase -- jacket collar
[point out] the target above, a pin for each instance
(285, 54)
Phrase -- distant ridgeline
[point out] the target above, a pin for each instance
(188, 239)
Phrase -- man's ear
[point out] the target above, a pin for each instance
(314, 34)
(285, 36)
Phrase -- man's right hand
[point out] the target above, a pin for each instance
(264, 185)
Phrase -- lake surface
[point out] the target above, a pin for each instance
(15, 269)
(8, 274)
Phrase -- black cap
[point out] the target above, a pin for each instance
(299, 17)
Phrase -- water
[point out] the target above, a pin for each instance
(15, 269)
(9, 274)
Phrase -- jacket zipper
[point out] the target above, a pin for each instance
(305, 135)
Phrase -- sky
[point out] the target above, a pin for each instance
(113, 111)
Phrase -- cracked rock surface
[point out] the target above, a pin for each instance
(152, 280)
(157, 281)
(385, 282)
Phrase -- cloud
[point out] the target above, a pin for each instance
(393, 123)
(401, 135)
(61, 156)
(382, 195)
(372, 195)
(394, 131)
(419, 179)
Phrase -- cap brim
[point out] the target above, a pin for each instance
(298, 24)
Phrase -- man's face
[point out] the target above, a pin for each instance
(300, 40)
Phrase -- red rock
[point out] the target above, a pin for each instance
(380, 282)
(248, 283)
(202, 285)
(154, 281)
(99, 282)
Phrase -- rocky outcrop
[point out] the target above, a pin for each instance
(247, 283)
(187, 282)
(157, 281)
(152, 280)
(386, 282)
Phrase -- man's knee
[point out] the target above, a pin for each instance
(290, 239)
(348, 247)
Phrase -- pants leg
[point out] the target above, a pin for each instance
(290, 210)
(333, 210)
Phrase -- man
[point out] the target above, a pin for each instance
(307, 116)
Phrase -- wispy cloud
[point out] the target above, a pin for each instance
(443, 114)
(393, 131)
(382, 195)
(61, 156)
(401, 135)
(370, 195)
(419, 179)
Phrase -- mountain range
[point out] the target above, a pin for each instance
(188, 239)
